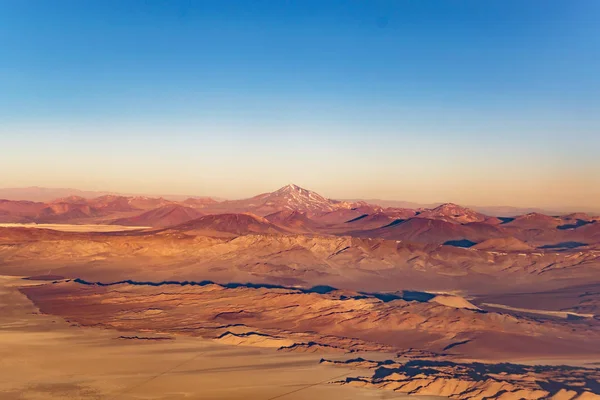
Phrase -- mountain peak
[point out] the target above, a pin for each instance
(453, 213)
(294, 197)
(450, 207)
(291, 188)
(289, 197)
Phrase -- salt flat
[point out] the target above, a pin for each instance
(76, 228)
(559, 314)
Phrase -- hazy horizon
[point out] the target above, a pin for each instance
(474, 103)
(90, 193)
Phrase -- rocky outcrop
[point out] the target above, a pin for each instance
(477, 381)
(280, 317)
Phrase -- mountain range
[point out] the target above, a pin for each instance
(44, 194)
(295, 210)
(298, 272)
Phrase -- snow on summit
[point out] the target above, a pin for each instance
(293, 197)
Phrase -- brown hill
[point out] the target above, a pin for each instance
(503, 244)
(229, 225)
(8, 218)
(346, 214)
(65, 212)
(148, 203)
(400, 213)
(293, 220)
(162, 217)
(112, 203)
(589, 233)
(71, 200)
(452, 213)
(200, 202)
(433, 231)
(370, 221)
(21, 207)
(534, 221)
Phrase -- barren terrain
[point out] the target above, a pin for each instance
(443, 301)
(45, 357)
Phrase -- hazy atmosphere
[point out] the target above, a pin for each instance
(489, 103)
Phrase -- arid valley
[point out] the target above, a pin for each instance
(292, 295)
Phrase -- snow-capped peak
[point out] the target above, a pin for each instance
(293, 197)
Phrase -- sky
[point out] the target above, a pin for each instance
(474, 102)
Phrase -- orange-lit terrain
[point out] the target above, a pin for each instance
(442, 240)
(446, 296)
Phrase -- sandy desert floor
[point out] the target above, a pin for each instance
(45, 357)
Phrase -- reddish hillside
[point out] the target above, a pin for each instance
(200, 202)
(589, 233)
(346, 214)
(148, 203)
(21, 207)
(71, 200)
(503, 244)
(433, 231)
(370, 221)
(293, 220)
(112, 203)
(229, 224)
(26, 211)
(7, 217)
(65, 212)
(534, 221)
(453, 213)
(162, 217)
(400, 213)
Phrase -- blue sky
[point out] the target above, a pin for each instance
(488, 102)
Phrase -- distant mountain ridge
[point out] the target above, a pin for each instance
(162, 217)
(293, 210)
(44, 194)
(499, 211)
